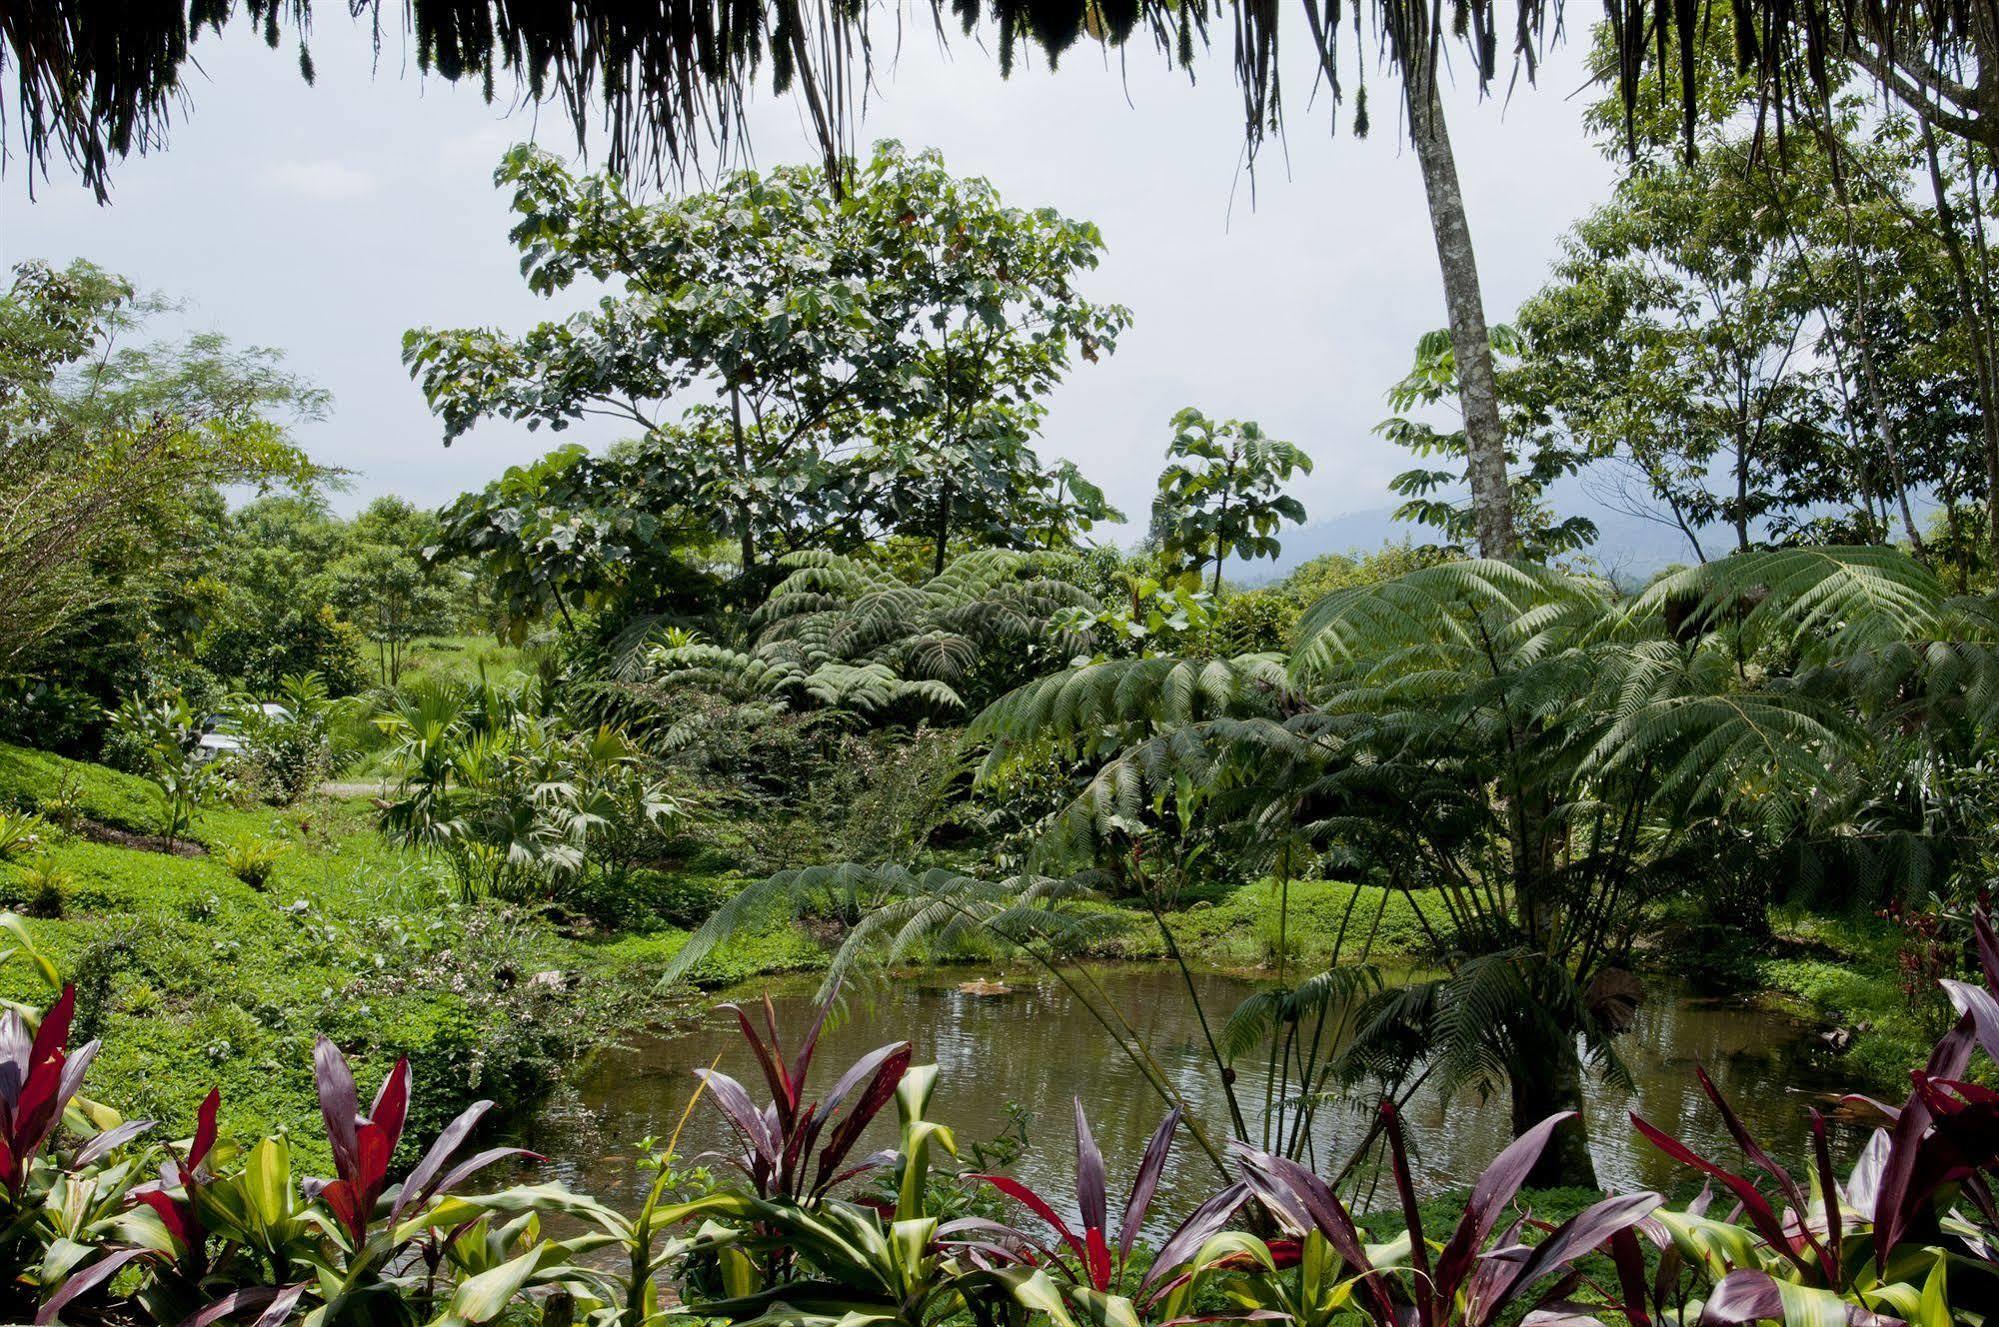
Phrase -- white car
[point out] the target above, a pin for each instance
(220, 735)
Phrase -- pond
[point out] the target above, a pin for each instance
(1037, 1048)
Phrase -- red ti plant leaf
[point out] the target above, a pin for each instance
(181, 1216)
(1894, 1202)
(1829, 1193)
(779, 1139)
(1761, 1215)
(1978, 1004)
(783, 1092)
(362, 1145)
(1424, 1291)
(1038, 1205)
(1582, 1233)
(1745, 1295)
(1304, 1202)
(1146, 1182)
(1495, 1188)
(1099, 1268)
(85, 1281)
(1988, 946)
(1200, 1224)
(1091, 1201)
(204, 1128)
(38, 1076)
(1629, 1260)
(883, 1069)
(1763, 1161)
(338, 1105)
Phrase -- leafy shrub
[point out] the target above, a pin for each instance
(162, 732)
(1253, 622)
(42, 886)
(50, 715)
(285, 756)
(253, 860)
(259, 656)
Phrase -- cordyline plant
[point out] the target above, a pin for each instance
(38, 1077)
(1324, 1269)
(1092, 1269)
(1915, 1214)
(779, 1138)
(356, 1264)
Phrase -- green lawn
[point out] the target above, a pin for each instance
(463, 659)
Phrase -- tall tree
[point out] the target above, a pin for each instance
(867, 349)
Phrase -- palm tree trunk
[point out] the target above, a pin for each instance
(1471, 344)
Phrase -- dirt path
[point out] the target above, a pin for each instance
(369, 789)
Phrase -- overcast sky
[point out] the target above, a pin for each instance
(325, 220)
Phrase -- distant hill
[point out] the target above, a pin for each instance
(1629, 548)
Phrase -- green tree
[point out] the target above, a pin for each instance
(864, 358)
(112, 450)
(1747, 342)
(1221, 492)
(393, 598)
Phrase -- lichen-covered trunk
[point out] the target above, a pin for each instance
(1471, 344)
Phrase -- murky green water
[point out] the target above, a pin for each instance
(1037, 1048)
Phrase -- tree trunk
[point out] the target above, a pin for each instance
(1553, 1085)
(744, 535)
(1221, 545)
(943, 528)
(1741, 521)
(1978, 325)
(1862, 340)
(1471, 344)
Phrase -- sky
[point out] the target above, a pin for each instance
(325, 220)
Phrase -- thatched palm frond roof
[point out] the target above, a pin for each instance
(98, 80)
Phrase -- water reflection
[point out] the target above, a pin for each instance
(1037, 1047)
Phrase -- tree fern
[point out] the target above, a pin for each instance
(844, 633)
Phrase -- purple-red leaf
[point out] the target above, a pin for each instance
(416, 1188)
(749, 1121)
(204, 1128)
(1092, 1202)
(1200, 1224)
(338, 1105)
(891, 1062)
(773, 1072)
(1893, 1204)
(1035, 1203)
(1494, 1189)
(478, 1161)
(109, 1141)
(1754, 1204)
(1761, 1159)
(1146, 1182)
(1580, 1234)
(85, 1281)
(1977, 1004)
(1745, 1295)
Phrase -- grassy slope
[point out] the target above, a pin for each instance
(1845, 970)
(194, 978)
